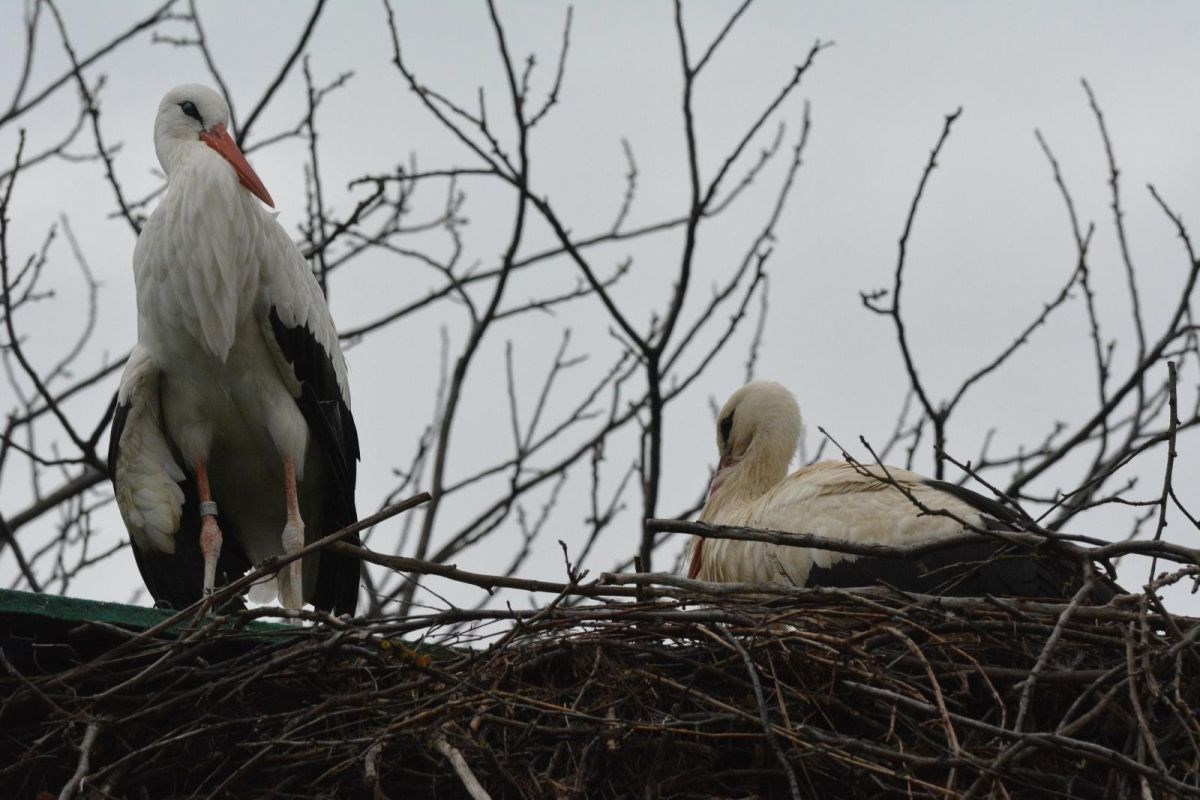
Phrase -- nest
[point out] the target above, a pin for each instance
(819, 694)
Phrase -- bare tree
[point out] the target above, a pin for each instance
(622, 379)
(587, 410)
(1136, 411)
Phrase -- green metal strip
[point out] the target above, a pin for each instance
(75, 609)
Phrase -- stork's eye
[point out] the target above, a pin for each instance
(726, 427)
(189, 108)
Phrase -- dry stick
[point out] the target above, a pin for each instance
(152, 19)
(1023, 337)
(268, 567)
(1019, 749)
(301, 43)
(57, 149)
(768, 728)
(1144, 734)
(84, 383)
(31, 21)
(1135, 303)
(169, 656)
(293, 738)
(868, 597)
(955, 748)
(616, 421)
(90, 476)
(488, 582)
(480, 328)
(444, 111)
(521, 264)
(201, 44)
(85, 753)
(650, 453)
(1135, 377)
(824, 741)
(93, 111)
(92, 285)
(756, 254)
(1047, 650)
(936, 416)
(1004, 499)
(760, 328)
(1118, 219)
(371, 768)
(790, 539)
(316, 205)
(1167, 488)
(1103, 362)
(630, 186)
(699, 200)
(760, 122)
(32, 687)
(552, 97)
(545, 612)
(1087, 749)
(461, 768)
(547, 304)
(1097, 475)
(369, 203)
(1099, 553)
(654, 353)
(88, 455)
(469, 534)
(8, 537)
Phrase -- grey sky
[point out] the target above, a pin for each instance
(992, 242)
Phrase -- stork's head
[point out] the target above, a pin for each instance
(759, 423)
(192, 115)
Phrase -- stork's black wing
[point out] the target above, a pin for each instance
(332, 427)
(176, 580)
(970, 569)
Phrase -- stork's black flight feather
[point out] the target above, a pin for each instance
(973, 568)
(176, 580)
(332, 428)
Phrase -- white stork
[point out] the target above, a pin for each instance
(233, 439)
(757, 432)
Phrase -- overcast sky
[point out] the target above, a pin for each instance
(991, 244)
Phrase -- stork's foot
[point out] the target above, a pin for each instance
(291, 585)
(210, 548)
(210, 533)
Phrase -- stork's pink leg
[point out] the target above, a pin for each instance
(210, 534)
(293, 538)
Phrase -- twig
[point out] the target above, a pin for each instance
(81, 770)
(768, 728)
(461, 768)
(1173, 427)
(936, 415)
(244, 132)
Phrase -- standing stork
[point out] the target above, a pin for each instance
(233, 439)
(757, 431)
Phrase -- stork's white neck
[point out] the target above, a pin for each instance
(172, 148)
(740, 484)
(195, 264)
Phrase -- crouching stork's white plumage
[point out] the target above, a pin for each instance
(233, 439)
(757, 432)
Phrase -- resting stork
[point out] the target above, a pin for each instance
(757, 431)
(233, 439)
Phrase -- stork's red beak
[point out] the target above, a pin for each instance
(219, 139)
(718, 477)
